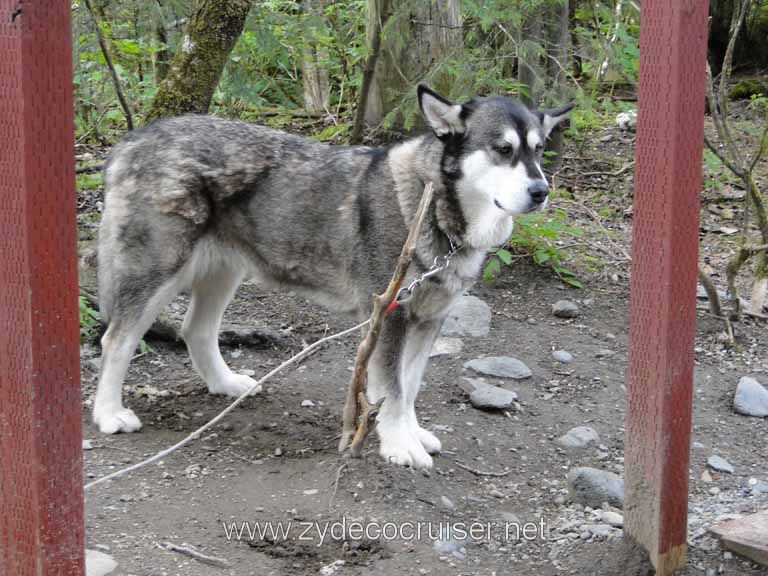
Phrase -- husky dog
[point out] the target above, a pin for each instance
(198, 203)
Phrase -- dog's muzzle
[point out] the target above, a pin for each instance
(538, 191)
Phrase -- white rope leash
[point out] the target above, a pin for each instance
(196, 434)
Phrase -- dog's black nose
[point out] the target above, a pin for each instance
(538, 191)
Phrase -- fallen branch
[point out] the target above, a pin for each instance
(89, 169)
(359, 414)
(197, 433)
(618, 172)
(192, 552)
(336, 485)
(483, 472)
(714, 298)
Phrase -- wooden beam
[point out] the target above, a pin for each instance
(673, 44)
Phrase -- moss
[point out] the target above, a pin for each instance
(746, 88)
(209, 37)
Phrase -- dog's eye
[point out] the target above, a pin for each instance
(504, 149)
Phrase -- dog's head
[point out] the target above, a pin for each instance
(493, 152)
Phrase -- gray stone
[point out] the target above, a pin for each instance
(562, 356)
(604, 353)
(720, 464)
(87, 445)
(613, 518)
(444, 346)
(451, 546)
(307, 403)
(500, 366)
(600, 530)
(487, 397)
(592, 487)
(565, 309)
(760, 488)
(751, 398)
(447, 503)
(469, 316)
(579, 437)
(98, 564)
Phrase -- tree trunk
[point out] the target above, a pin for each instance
(529, 69)
(369, 71)
(161, 59)
(314, 74)
(558, 65)
(424, 35)
(209, 36)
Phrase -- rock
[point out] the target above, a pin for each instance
(760, 488)
(720, 464)
(258, 337)
(604, 353)
(87, 445)
(307, 403)
(600, 530)
(446, 503)
(510, 517)
(98, 564)
(592, 487)
(444, 346)
(310, 492)
(488, 397)
(627, 121)
(562, 356)
(751, 398)
(500, 366)
(613, 518)
(565, 309)
(579, 437)
(451, 546)
(706, 477)
(332, 568)
(469, 316)
(278, 451)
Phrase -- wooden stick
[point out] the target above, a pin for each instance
(359, 414)
(482, 472)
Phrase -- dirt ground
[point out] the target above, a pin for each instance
(275, 459)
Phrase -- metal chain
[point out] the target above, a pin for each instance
(439, 264)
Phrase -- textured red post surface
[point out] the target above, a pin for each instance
(41, 498)
(673, 44)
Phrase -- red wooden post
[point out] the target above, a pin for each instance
(673, 48)
(41, 497)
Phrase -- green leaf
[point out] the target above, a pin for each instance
(505, 256)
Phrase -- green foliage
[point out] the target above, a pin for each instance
(89, 181)
(89, 318)
(747, 88)
(535, 236)
(263, 77)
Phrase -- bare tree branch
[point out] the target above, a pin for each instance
(112, 72)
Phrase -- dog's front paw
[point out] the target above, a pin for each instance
(114, 421)
(399, 446)
(430, 442)
(234, 385)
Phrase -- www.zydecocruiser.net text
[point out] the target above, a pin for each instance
(344, 529)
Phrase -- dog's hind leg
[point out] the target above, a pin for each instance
(130, 317)
(210, 296)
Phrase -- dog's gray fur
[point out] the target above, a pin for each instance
(198, 203)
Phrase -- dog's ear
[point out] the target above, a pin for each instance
(553, 116)
(443, 116)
